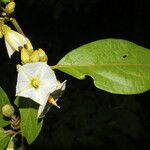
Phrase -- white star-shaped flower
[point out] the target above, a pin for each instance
(36, 81)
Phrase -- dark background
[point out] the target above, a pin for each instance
(89, 118)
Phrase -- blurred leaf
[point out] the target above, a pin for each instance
(4, 139)
(3, 101)
(117, 66)
(30, 125)
(5, 1)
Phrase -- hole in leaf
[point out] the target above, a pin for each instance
(124, 56)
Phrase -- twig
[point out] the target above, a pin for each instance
(17, 26)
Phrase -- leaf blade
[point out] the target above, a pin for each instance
(4, 98)
(30, 125)
(117, 66)
(4, 139)
(3, 101)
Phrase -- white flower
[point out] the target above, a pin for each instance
(52, 99)
(36, 81)
(13, 39)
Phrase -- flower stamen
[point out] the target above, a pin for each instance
(52, 101)
(35, 83)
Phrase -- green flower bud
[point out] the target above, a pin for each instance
(35, 56)
(25, 58)
(42, 55)
(10, 7)
(8, 110)
(29, 46)
(44, 58)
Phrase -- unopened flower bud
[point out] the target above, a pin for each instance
(10, 145)
(29, 46)
(44, 58)
(41, 52)
(25, 58)
(42, 55)
(10, 7)
(35, 56)
(8, 110)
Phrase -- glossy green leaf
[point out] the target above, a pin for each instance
(3, 101)
(117, 66)
(30, 125)
(4, 139)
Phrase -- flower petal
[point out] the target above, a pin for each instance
(43, 109)
(10, 50)
(22, 38)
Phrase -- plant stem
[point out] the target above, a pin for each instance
(54, 67)
(17, 26)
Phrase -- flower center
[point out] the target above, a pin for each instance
(35, 83)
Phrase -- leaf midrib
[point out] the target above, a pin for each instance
(99, 65)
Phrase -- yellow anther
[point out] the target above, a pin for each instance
(35, 83)
(52, 101)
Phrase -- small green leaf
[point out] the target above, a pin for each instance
(117, 66)
(3, 98)
(4, 139)
(3, 101)
(30, 125)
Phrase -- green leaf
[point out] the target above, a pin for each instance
(117, 66)
(4, 139)
(3, 98)
(3, 122)
(3, 101)
(30, 125)
(5, 1)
